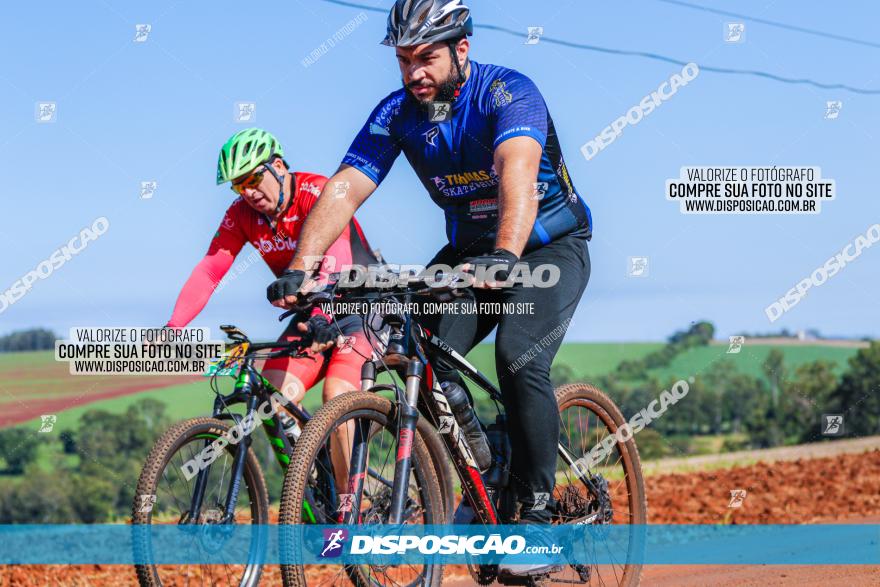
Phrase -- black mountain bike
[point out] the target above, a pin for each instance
(208, 491)
(612, 492)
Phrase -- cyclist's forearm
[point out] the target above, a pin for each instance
(330, 216)
(516, 161)
(198, 288)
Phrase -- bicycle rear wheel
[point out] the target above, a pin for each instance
(587, 417)
(164, 496)
(424, 505)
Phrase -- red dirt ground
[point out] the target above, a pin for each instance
(843, 488)
(58, 390)
(12, 413)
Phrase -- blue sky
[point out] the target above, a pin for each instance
(159, 110)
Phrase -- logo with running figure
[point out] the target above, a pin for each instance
(736, 344)
(832, 109)
(540, 501)
(141, 32)
(439, 111)
(637, 267)
(832, 425)
(534, 35)
(333, 542)
(47, 423)
(148, 188)
(734, 32)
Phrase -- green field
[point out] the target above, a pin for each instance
(750, 359)
(587, 360)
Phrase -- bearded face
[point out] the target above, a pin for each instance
(428, 72)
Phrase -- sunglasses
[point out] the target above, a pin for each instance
(250, 182)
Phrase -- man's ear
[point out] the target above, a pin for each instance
(280, 165)
(462, 48)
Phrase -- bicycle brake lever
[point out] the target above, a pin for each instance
(313, 299)
(289, 313)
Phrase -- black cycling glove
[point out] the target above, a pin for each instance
(501, 257)
(286, 285)
(320, 329)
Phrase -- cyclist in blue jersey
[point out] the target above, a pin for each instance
(492, 162)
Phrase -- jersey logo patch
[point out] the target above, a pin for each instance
(500, 95)
(431, 135)
(311, 188)
(483, 205)
(375, 129)
(382, 122)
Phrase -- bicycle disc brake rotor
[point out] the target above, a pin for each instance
(213, 536)
(380, 506)
(574, 506)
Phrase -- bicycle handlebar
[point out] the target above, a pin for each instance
(441, 286)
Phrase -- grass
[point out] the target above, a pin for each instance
(587, 360)
(183, 401)
(750, 359)
(34, 375)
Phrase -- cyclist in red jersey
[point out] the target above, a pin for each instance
(269, 215)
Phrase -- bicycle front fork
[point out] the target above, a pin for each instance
(407, 418)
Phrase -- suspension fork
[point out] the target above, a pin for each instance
(195, 507)
(351, 513)
(368, 375)
(239, 462)
(408, 416)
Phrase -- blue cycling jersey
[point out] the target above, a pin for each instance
(454, 159)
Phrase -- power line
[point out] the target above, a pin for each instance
(778, 24)
(648, 55)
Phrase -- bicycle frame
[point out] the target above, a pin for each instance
(412, 354)
(252, 389)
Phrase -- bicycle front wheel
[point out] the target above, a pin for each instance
(333, 423)
(165, 496)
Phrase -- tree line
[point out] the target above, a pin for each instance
(32, 339)
(94, 479)
(783, 407)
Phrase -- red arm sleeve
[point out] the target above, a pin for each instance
(207, 274)
(198, 288)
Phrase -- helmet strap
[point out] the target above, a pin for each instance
(454, 55)
(280, 205)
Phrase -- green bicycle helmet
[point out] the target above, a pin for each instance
(245, 151)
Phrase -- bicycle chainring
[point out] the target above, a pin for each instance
(483, 574)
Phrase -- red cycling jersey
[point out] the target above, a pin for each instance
(242, 224)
